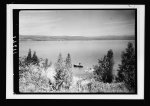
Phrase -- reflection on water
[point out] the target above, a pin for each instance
(85, 52)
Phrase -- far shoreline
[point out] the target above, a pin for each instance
(78, 40)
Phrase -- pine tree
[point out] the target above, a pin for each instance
(68, 61)
(60, 61)
(103, 71)
(100, 69)
(47, 64)
(35, 59)
(59, 67)
(109, 65)
(68, 71)
(126, 72)
(29, 57)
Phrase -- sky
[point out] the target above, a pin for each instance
(77, 22)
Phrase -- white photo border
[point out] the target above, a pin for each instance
(140, 52)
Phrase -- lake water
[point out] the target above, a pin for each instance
(85, 52)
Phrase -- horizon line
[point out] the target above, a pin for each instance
(81, 35)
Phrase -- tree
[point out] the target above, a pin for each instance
(59, 67)
(103, 71)
(35, 59)
(59, 61)
(68, 71)
(126, 72)
(29, 58)
(63, 72)
(47, 64)
(109, 66)
(68, 61)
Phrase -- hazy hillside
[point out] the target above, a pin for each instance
(57, 38)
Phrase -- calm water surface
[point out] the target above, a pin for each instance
(85, 52)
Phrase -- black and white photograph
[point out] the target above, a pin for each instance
(75, 51)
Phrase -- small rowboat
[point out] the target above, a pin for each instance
(79, 66)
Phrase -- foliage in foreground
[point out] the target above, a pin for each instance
(52, 77)
(36, 81)
(35, 78)
(97, 86)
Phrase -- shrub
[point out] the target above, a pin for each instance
(96, 86)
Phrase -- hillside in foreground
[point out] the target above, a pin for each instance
(36, 79)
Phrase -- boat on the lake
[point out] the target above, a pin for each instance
(78, 66)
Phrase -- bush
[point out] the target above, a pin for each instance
(33, 82)
(100, 87)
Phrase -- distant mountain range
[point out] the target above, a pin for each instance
(64, 38)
